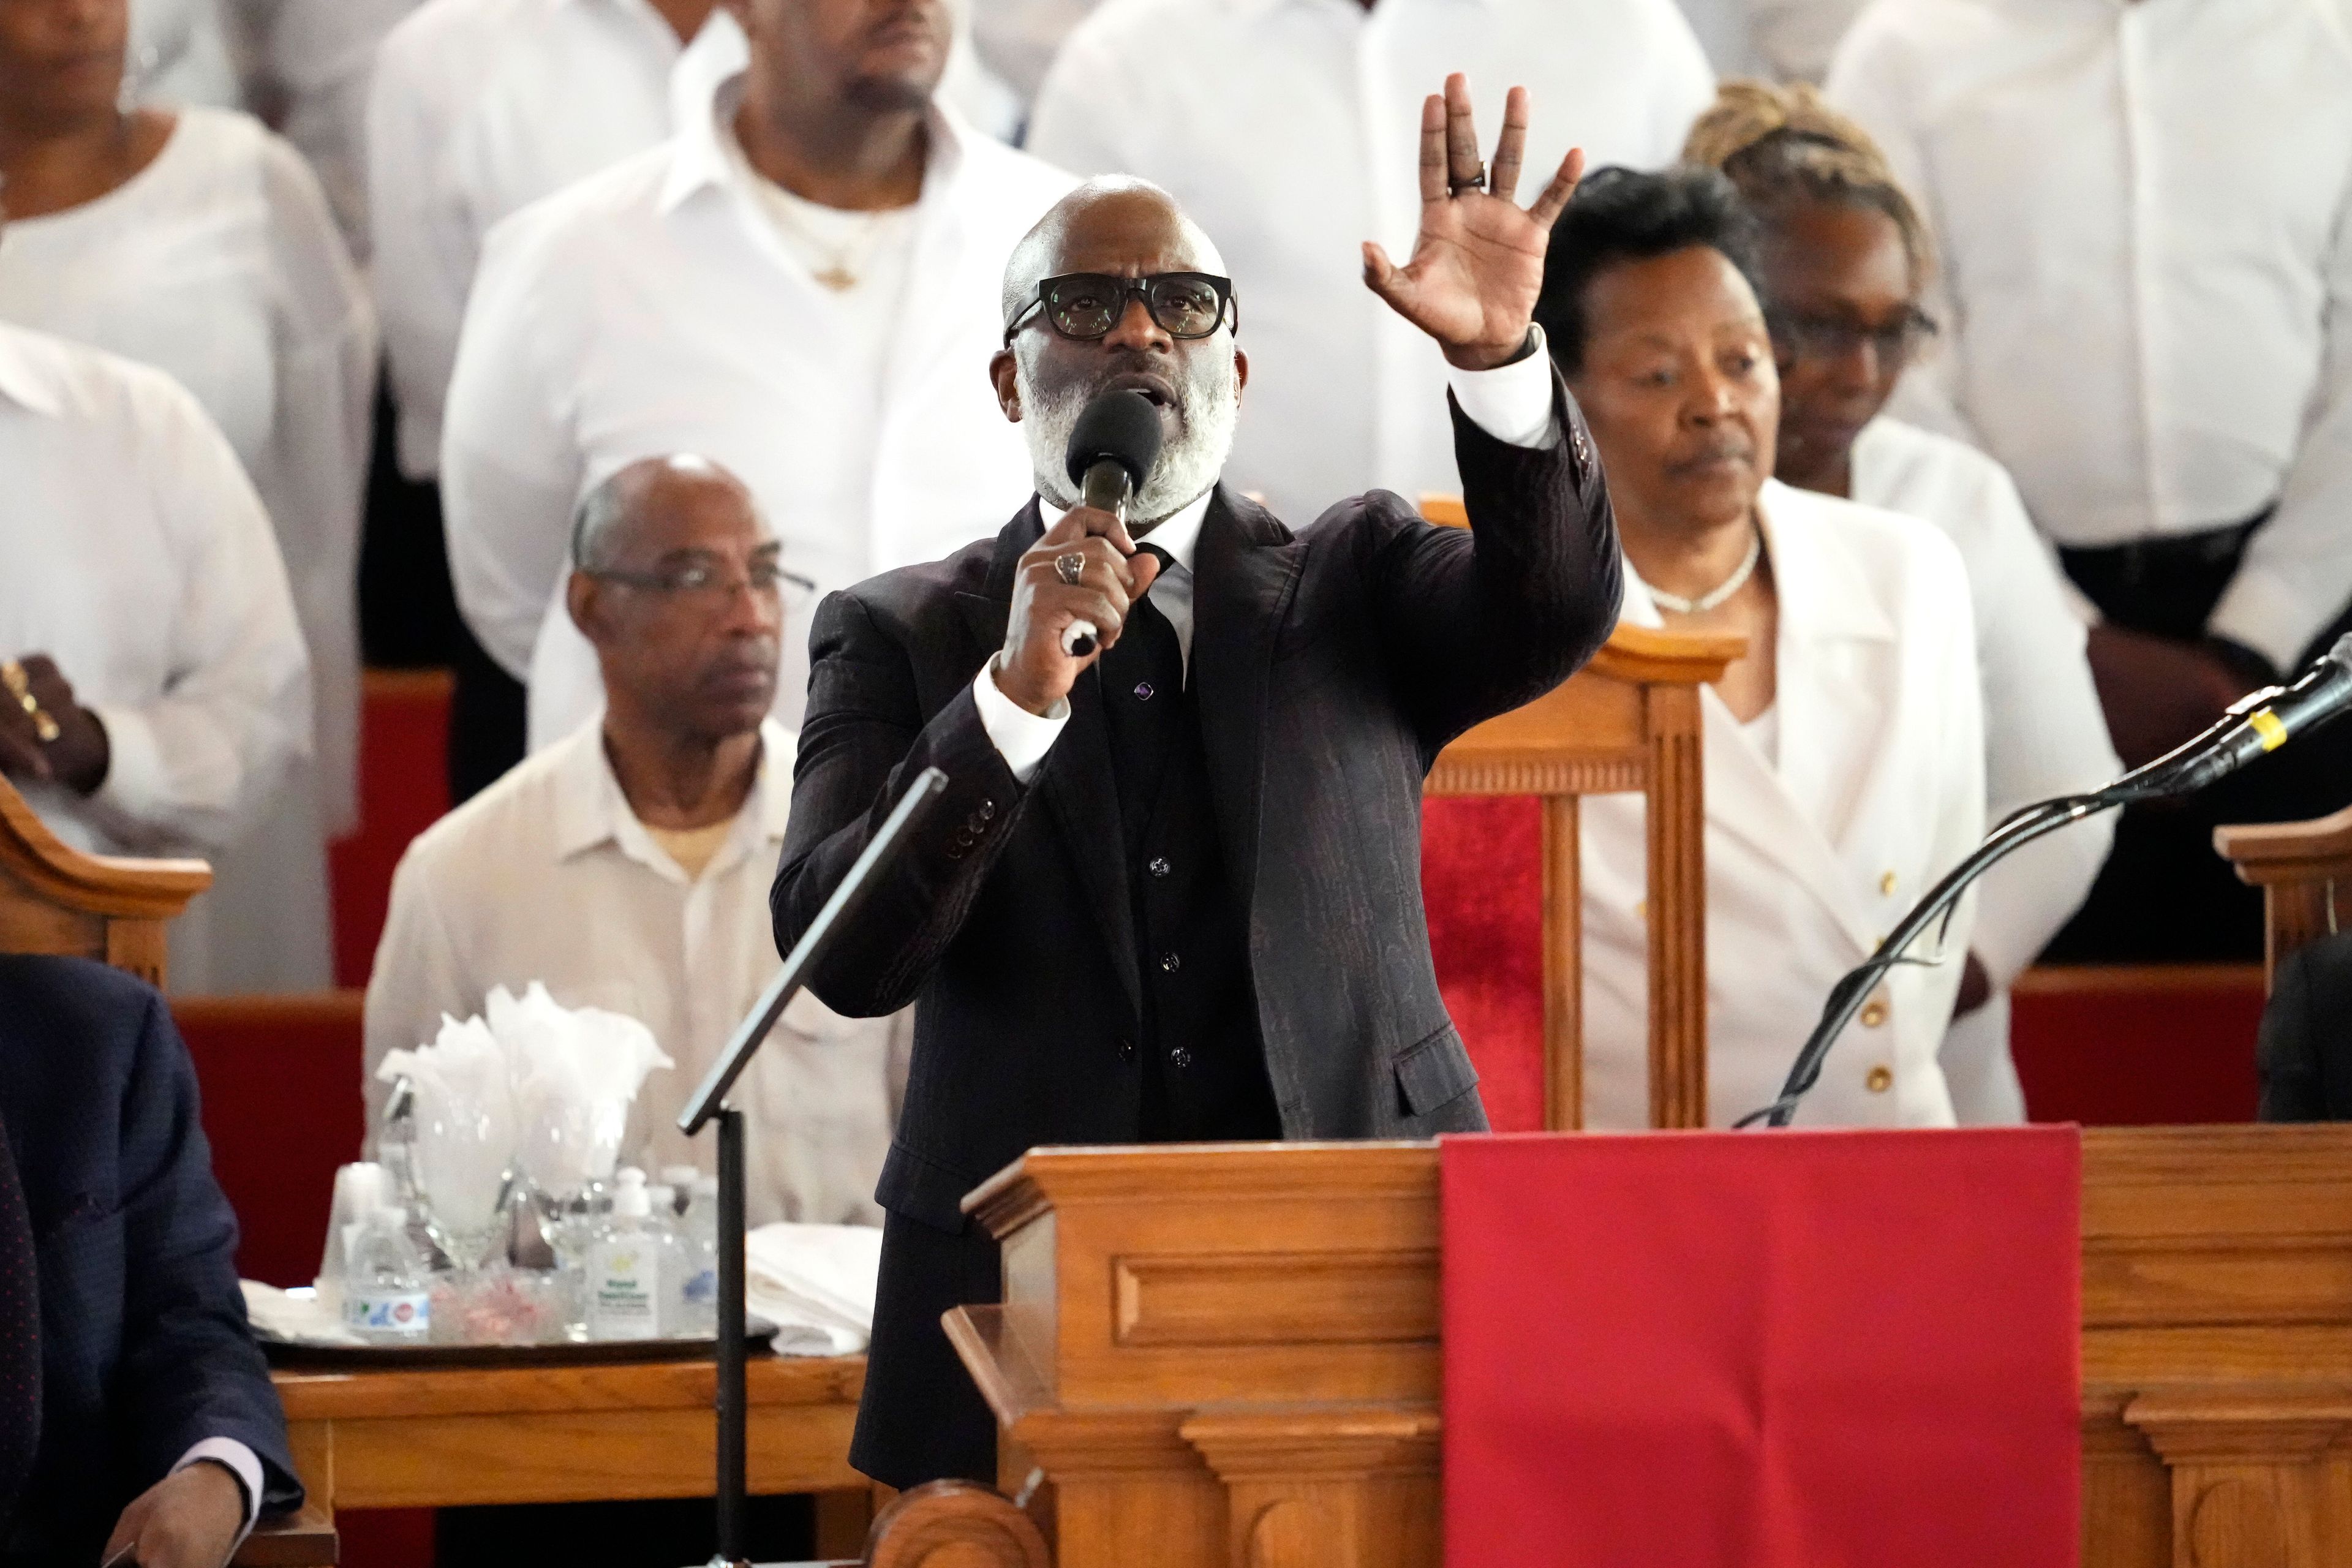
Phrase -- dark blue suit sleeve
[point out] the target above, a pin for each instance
(189, 1367)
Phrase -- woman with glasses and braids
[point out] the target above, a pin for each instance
(1845, 260)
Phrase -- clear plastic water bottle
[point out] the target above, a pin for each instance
(386, 1299)
(698, 1294)
(633, 1268)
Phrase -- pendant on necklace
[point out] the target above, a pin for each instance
(840, 279)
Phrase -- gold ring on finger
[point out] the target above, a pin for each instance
(1070, 567)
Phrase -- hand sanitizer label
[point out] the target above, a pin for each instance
(626, 1297)
(404, 1314)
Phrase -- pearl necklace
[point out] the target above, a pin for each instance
(1730, 586)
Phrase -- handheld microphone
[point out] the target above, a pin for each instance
(1111, 453)
(2256, 724)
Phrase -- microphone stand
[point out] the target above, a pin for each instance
(2182, 771)
(709, 1104)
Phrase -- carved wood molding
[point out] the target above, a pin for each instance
(59, 874)
(955, 1524)
(1304, 1298)
(1537, 775)
(1080, 1445)
(2241, 1425)
(1313, 1443)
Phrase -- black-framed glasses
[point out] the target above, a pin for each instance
(704, 579)
(1833, 337)
(1087, 305)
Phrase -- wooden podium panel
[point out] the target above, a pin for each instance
(1229, 1356)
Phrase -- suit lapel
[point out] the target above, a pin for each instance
(1244, 570)
(1081, 789)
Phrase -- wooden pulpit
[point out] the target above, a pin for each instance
(1231, 1356)
(2297, 866)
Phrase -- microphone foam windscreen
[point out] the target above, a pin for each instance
(1122, 426)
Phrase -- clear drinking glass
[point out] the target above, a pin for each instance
(460, 1161)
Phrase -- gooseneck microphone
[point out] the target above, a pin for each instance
(2256, 724)
(1111, 453)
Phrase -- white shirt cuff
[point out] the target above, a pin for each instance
(1512, 402)
(136, 782)
(1021, 737)
(242, 1463)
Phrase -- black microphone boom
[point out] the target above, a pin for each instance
(1113, 448)
(2257, 724)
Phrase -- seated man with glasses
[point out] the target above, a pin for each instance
(626, 866)
(1845, 263)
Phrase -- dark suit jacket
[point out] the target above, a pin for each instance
(2305, 1051)
(1330, 668)
(144, 1347)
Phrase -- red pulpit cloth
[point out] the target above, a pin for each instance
(1786, 1350)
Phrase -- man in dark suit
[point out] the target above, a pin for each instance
(1172, 891)
(2304, 1053)
(158, 1429)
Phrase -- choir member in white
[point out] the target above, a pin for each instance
(1844, 752)
(2144, 214)
(797, 286)
(1285, 126)
(142, 571)
(1844, 262)
(480, 108)
(627, 864)
(196, 241)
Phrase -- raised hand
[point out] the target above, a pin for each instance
(1477, 263)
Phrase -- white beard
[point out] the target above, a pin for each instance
(1208, 408)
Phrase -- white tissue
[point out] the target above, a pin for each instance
(575, 1072)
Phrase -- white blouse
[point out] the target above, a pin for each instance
(220, 265)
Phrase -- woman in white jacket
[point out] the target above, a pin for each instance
(1844, 753)
(1845, 262)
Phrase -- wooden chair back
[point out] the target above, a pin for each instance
(57, 900)
(1627, 722)
(2297, 866)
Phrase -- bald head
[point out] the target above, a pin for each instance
(643, 492)
(675, 583)
(1115, 224)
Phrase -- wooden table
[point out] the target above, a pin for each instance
(458, 1436)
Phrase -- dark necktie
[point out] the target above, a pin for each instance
(1143, 693)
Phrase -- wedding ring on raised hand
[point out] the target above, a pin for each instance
(12, 675)
(1069, 568)
(1477, 182)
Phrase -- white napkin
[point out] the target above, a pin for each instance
(296, 1316)
(815, 1282)
(574, 1072)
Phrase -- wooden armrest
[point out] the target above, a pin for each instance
(2272, 852)
(304, 1539)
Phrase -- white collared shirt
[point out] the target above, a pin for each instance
(480, 108)
(548, 875)
(139, 559)
(654, 309)
(2142, 213)
(1290, 128)
(1812, 856)
(219, 264)
(1512, 402)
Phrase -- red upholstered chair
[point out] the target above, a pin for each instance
(404, 790)
(1499, 873)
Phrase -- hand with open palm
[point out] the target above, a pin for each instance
(1477, 264)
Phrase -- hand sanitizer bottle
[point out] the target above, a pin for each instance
(699, 1295)
(632, 1267)
(385, 1300)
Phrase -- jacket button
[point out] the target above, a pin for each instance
(1881, 1079)
(1127, 1050)
(977, 825)
(1169, 963)
(988, 811)
(1180, 1057)
(1873, 1013)
(1158, 866)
